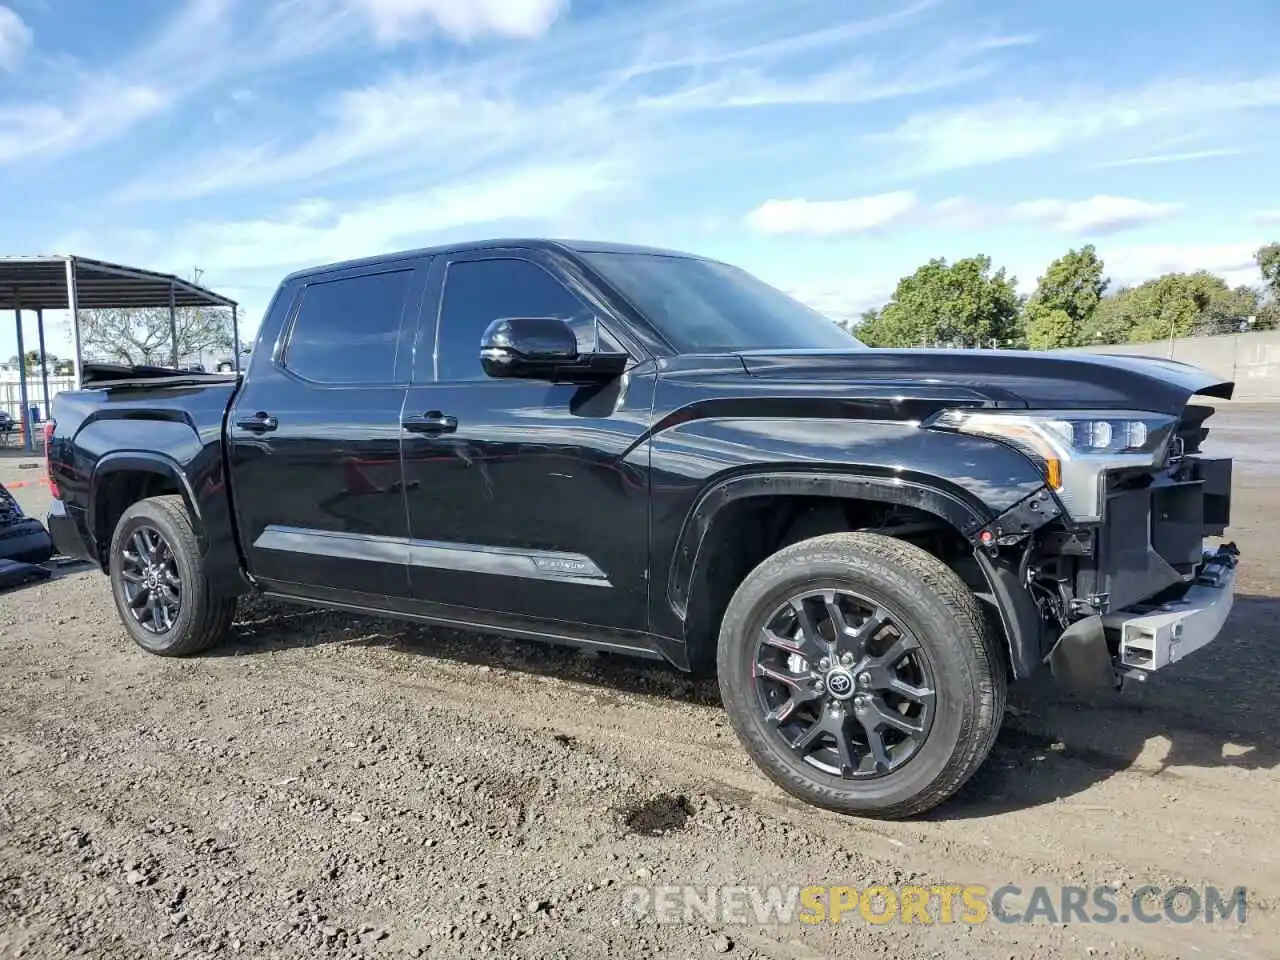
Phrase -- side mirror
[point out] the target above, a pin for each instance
(542, 348)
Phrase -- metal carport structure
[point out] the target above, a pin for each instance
(74, 283)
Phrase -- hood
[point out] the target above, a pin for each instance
(1072, 381)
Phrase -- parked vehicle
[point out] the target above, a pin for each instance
(657, 454)
(228, 364)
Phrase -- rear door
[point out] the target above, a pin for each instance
(314, 436)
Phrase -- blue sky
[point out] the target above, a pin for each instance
(830, 147)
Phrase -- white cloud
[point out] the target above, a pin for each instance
(319, 230)
(1134, 263)
(205, 43)
(845, 300)
(962, 213)
(628, 81)
(850, 83)
(1162, 158)
(463, 20)
(49, 129)
(15, 38)
(98, 105)
(1098, 216)
(1267, 217)
(1008, 129)
(827, 218)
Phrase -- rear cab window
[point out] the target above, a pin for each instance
(347, 330)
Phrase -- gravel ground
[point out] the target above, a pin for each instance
(330, 786)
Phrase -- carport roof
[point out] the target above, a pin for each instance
(40, 283)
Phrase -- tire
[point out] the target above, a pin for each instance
(201, 619)
(952, 668)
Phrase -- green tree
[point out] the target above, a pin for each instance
(31, 360)
(1111, 322)
(1268, 258)
(1174, 305)
(961, 304)
(1065, 300)
(1268, 315)
(871, 330)
(1050, 328)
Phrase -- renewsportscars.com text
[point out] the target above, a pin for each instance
(935, 904)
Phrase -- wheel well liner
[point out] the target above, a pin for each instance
(932, 496)
(122, 479)
(937, 496)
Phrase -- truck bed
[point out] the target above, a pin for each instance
(156, 427)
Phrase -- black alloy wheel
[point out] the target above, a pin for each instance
(845, 686)
(152, 583)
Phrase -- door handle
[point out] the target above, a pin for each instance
(259, 423)
(433, 421)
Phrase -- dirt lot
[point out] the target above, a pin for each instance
(329, 786)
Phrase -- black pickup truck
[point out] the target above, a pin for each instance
(657, 454)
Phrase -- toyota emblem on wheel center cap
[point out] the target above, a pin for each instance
(840, 683)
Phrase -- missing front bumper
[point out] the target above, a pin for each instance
(1150, 636)
(1154, 637)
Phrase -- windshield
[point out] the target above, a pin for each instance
(701, 306)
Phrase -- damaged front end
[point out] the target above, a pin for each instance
(1109, 571)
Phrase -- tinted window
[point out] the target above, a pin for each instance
(701, 306)
(478, 292)
(347, 330)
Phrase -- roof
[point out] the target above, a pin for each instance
(40, 283)
(537, 243)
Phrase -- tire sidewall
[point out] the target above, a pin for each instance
(144, 514)
(909, 602)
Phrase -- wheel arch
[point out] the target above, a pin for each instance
(122, 479)
(698, 601)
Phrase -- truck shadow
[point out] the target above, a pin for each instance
(1217, 709)
(264, 626)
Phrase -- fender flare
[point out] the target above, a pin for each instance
(143, 462)
(1018, 614)
(933, 495)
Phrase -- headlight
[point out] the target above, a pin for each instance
(1074, 448)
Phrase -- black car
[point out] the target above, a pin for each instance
(657, 454)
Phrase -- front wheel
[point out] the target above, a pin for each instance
(158, 581)
(859, 673)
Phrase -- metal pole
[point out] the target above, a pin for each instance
(73, 305)
(44, 363)
(235, 337)
(173, 326)
(27, 440)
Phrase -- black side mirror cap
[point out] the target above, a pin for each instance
(542, 348)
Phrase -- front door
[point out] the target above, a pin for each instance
(315, 436)
(526, 498)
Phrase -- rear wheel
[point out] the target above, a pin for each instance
(157, 579)
(860, 674)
